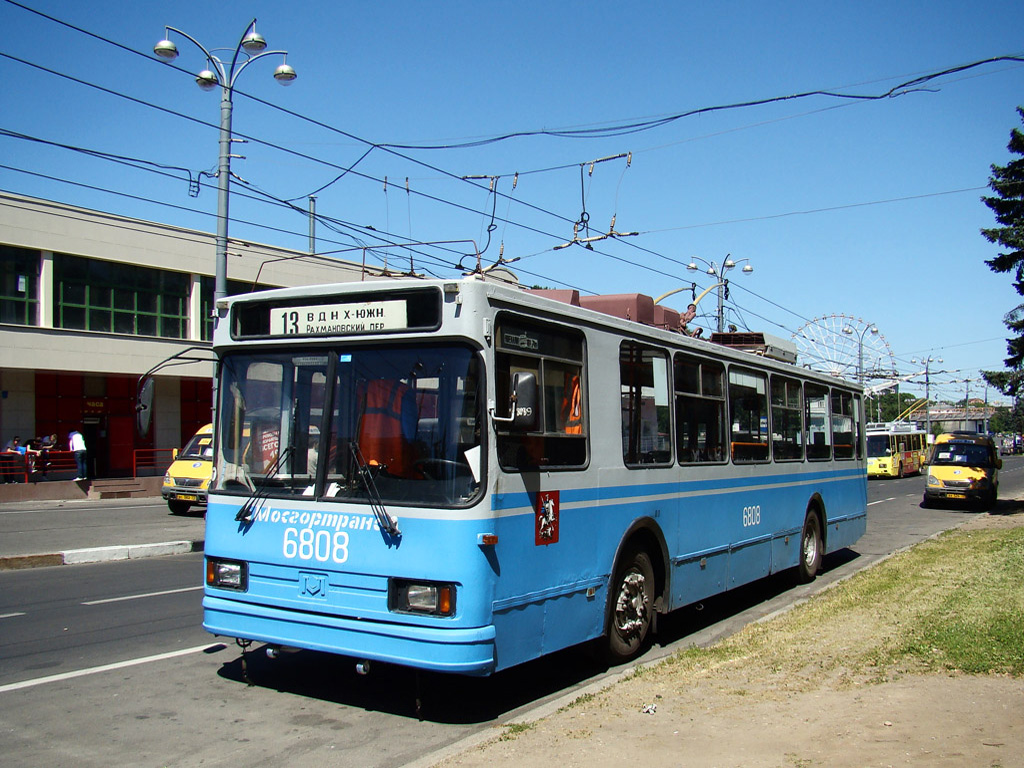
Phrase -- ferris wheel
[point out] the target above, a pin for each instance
(845, 346)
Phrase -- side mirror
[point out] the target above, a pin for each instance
(144, 406)
(522, 403)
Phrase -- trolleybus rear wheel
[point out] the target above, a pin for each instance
(810, 547)
(632, 606)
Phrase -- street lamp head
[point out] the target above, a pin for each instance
(166, 50)
(729, 264)
(711, 271)
(747, 269)
(254, 42)
(285, 74)
(207, 80)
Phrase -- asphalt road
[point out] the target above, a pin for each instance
(108, 664)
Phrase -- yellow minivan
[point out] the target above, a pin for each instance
(188, 478)
(963, 466)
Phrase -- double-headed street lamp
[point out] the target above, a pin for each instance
(721, 283)
(860, 347)
(927, 363)
(250, 47)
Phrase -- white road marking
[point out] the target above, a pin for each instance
(104, 668)
(10, 615)
(147, 594)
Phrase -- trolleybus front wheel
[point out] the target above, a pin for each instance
(810, 547)
(632, 606)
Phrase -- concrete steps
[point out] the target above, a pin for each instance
(125, 488)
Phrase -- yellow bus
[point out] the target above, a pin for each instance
(895, 449)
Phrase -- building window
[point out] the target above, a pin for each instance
(207, 285)
(108, 297)
(19, 286)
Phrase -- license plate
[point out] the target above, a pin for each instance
(187, 497)
(956, 495)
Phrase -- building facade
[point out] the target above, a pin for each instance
(90, 301)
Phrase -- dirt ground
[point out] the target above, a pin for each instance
(741, 717)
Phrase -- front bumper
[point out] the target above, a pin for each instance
(191, 495)
(956, 494)
(467, 651)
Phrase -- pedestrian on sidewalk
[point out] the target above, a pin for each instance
(76, 443)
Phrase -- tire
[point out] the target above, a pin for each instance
(178, 507)
(631, 608)
(988, 501)
(810, 548)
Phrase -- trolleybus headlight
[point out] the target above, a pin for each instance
(227, 574)
(428, 598)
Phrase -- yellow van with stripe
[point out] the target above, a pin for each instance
(188, 478)
(964, 467)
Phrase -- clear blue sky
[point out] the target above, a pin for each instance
(864, 208)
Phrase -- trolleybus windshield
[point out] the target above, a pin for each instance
(322, 423)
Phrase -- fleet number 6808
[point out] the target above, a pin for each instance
(751, 515)
(319, 545)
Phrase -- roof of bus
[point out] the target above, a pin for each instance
(521, 295)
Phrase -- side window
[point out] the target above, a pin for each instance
(842, 425)
(787, 419)
(748, 413)
(700, 409)
(816, 423)
(646, 420)
(554, 355)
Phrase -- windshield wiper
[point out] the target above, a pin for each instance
(384, 518)
(245, 513)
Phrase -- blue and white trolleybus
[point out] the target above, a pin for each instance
(463, 475)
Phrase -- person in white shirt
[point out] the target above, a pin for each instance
(76, 443)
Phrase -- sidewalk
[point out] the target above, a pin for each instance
(41, 533)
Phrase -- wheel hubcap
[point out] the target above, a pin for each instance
(810, 547)
(631, 608)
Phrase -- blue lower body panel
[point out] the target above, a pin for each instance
(468, 651)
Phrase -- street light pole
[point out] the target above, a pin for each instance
(927, 362)
(721, 283)
(252, 46)
(860, 353)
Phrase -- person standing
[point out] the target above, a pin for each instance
(76, 443)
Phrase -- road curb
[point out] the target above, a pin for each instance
(101, 554)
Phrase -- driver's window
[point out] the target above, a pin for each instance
(554, 355)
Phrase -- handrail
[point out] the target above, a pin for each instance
(150, 458)
(19, 467)
(13, 467)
